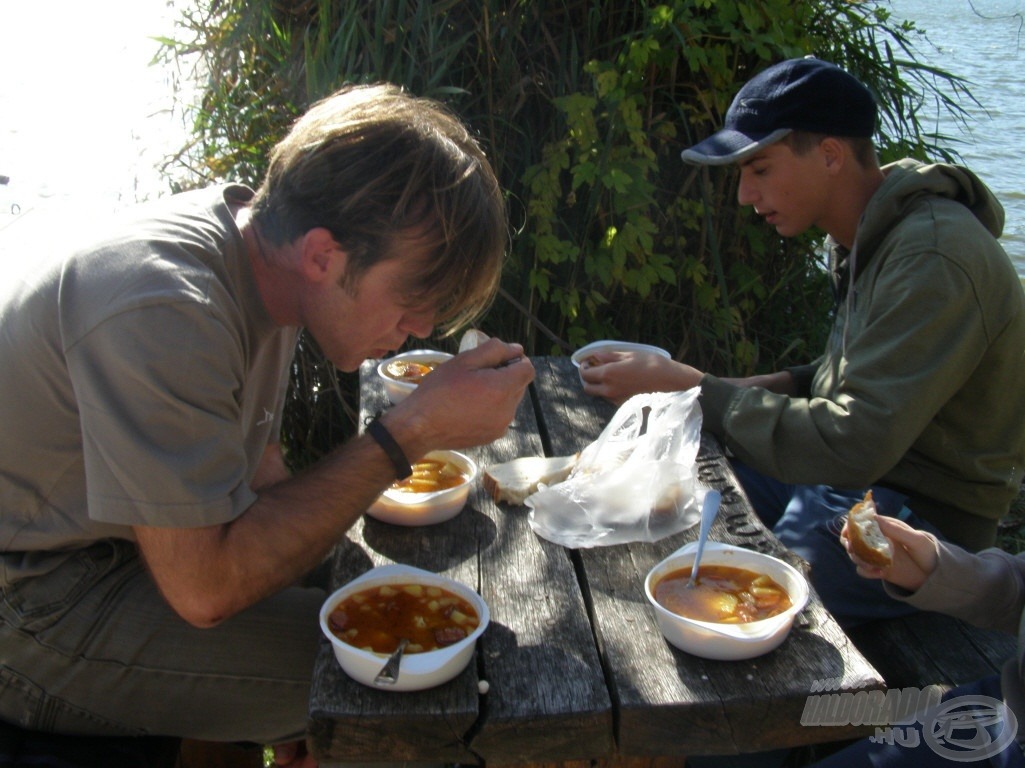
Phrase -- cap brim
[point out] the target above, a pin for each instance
(729, 146)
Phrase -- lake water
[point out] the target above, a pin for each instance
(983, 41)
(84, 119)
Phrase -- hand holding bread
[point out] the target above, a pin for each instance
(912, 553)
(865, 540)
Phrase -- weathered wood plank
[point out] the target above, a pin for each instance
(562, 710)
(932, 649)
(375, 727)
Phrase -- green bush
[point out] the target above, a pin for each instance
(583, 107)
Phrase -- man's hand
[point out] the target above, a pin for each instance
(618, 376)
(915, 554)
(467, 401)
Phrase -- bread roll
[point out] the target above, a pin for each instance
(867, 542)
(513, 481)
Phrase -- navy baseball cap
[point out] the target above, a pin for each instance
(795, 95)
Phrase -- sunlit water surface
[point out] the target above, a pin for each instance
(984, 42)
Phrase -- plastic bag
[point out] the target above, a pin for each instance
(636, 482)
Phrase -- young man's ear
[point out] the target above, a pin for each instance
(321, 259)
(834, 153)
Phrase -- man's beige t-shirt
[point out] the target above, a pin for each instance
(141, 379)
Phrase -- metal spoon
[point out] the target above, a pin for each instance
(390, 671)
(709, 509)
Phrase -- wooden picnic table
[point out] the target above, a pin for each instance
(575, 664)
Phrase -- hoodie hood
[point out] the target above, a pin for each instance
(910, 183)
(917, 206)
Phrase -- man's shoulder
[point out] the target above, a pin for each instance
(927, 231)
(942, 196)
(182, 251)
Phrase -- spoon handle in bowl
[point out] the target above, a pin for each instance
(709, 510)
(390, 671)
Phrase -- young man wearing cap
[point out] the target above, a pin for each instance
(917, 394)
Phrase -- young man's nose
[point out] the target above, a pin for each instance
(746, 192)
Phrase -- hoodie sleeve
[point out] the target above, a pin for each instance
(874, 396)
(986, 589)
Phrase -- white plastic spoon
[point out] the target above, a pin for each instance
(709, 509)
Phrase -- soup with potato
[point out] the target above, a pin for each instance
(410, 371)
(430, 475)
(722, 594)
(429, 617)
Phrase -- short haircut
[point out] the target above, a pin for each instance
(378, 167)
(802, 142)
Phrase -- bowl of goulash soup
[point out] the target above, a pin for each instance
(403, 372)
(440, 617)
(743, 604)
(436, 491)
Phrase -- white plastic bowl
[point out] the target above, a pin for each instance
(609, 345)
(398, 390)
(711, 640)
(404, 508)
(417, 671)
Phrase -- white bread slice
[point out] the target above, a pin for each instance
(867, 541)
(513, 481)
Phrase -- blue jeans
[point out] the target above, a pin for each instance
(917, 751)
(807, 520)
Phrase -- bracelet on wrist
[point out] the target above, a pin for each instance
(391, 448)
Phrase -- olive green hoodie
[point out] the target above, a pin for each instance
(920, 385)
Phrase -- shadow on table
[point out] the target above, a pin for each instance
(431, 547)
